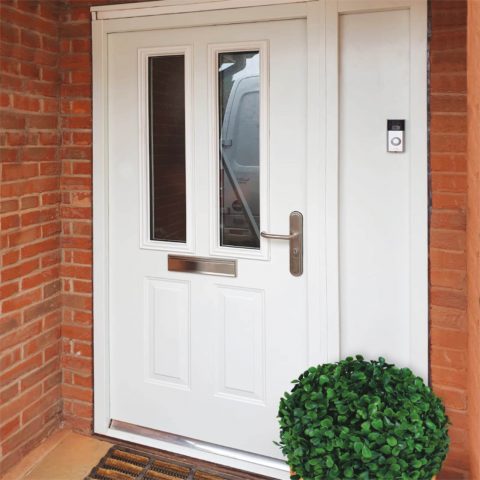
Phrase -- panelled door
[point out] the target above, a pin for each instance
(208, 149)
(251, 219)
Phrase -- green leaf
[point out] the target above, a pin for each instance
(377, 424)
(348, 472)
(392, 441)
(323, 379)
(366, 452)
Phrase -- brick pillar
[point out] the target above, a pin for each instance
(473, 233)
(448, 140)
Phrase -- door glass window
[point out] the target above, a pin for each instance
(166, 76)
(239, 148)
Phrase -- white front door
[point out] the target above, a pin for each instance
(214, 122)
(217, 154)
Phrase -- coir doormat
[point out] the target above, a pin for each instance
(122, 463)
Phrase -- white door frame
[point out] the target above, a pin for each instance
(322, 169)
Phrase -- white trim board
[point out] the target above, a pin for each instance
(167, 7)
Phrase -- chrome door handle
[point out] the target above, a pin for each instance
(276, 236)
(295, 237)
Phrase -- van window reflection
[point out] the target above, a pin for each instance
(239, 120)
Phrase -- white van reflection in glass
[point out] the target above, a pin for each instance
(239, 118)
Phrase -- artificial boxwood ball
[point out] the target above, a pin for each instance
(362, 420)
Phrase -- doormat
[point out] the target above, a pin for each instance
(122, 463)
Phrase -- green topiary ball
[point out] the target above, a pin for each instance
(362, 420)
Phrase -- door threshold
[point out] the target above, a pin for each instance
(209, 452)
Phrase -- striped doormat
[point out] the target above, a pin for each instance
(122, 463)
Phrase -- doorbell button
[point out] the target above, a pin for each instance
(395, 136)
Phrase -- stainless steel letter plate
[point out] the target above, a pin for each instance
(204, 265)
(296, 242)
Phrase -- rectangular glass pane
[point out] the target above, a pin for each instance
(167, 148)
(239, 117)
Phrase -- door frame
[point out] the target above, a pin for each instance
(322, 19)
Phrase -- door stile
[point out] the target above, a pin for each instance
(101, 324)
(322, 346)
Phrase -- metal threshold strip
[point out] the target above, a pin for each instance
(199, 446)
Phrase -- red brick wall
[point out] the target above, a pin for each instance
(448, 140)
(76, 154)
(30, 374)
(473, 232)
(76, 186)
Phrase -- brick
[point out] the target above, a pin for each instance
(10, 120)
(52, 351)
(84, 122)
(31, 70)
(41, 308)
(20, 369)
(9, 323)
(40, 374)
(455, 279)
(448, 39)
(36, 185)
(52, 381)
(18, 171)
(9, 427)
(10, 221)
(443, 297)
(39, 216)
(23, 102)
(7, 393)
(447, 318)
(20, 270)
(22, 435)
(448, 163)
(82, 380)
(448, 338)
(75, 60)
(448, 123)
(83, 349)
(77, 271)
(447, 240)
(21, 301)
(15, 139)
(39, 247)
(10, 257)
(19, 334)
(452, 183)
(51, 228)
(450, 377)
(29, 202)
(449, 201)
(8, 289)
(40, 342)
(10, 33)
(448, 143)
(77, 332)
(30, 39)
(9, 205)
(446, 357)
(10, 358)
(52, 288)
(41, 405)
(77, 393)
(42, 121)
